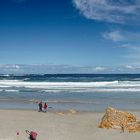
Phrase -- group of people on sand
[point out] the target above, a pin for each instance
(42, 106)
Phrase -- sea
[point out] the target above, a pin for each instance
(82, 92)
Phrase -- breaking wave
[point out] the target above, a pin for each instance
(16, 85)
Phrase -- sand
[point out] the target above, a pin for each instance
(58, 126)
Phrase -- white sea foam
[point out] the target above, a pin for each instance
(75, 86)
(11, 90)
(6, 75)
(18, 83)
(113, 90)
(93, 90)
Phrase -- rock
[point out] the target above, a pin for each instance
(117, 119)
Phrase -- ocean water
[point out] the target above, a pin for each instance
(83, 92)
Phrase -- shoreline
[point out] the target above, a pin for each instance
(51, 109)
(29, 105)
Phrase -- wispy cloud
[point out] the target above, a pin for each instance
(115, 36)
(122, 36)
(116, 11)
(128, 42)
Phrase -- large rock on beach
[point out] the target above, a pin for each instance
(118, 119)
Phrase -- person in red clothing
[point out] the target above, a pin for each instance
(45, 107)
(32, 135)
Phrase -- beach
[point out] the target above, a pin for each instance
(55, 125)
(69, 69)
(76, 104)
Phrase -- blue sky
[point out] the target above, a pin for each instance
(70, 36)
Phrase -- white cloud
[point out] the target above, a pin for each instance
(114, 36)
(117, 11)
(99, 68)
(123, 36)
(130, 67)
(16, 66)
(133, 47)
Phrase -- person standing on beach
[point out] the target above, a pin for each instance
(40, 106)
(45, 107)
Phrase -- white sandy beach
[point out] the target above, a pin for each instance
(54, 126)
